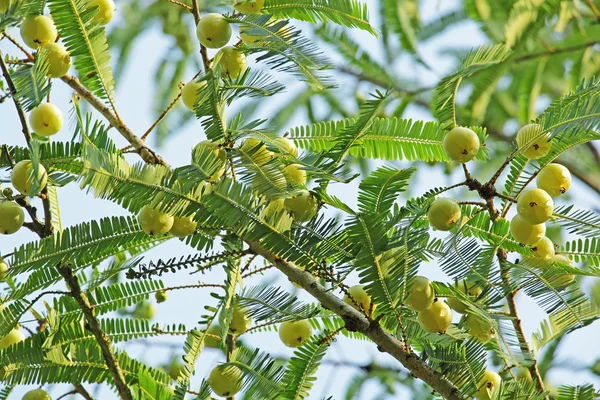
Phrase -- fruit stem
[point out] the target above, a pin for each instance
(511, 199)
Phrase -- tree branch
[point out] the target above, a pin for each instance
(357, 322)
(13, 92)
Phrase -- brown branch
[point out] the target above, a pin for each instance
(13, 92)
(229, 347)
(162, 116)
(83, 391)
(551, 52)
(203, 52)
(594, 8)
(181, 5)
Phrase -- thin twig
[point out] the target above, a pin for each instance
(83, 391)
(13, 92)
(203, 52)
(181, 5)
(162, 116)
(508, 198)
(229, 347)
(552, 52)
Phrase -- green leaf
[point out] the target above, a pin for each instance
(380, 190)
(31, 81)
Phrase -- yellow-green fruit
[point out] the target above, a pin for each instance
(37, 394)
(444, 214)
(437, 318)
(46, 119)
(256, 150)
(250, 39)
(59, 59)
(564, 279)
(183, 227)
(276, 214)
(524, 374)
(470, 289)
(479, 328)
(175, 369)
(295, 333)
(13, 337)
(488, 386)
(144, 310)
(543, 249)
(303, 206)
(525, 232)
(38, 30)
(555, 179)
(3, 270)
(360, 297)
(160, 296)
(420, 294)
(212, 341)
(221, 155)
(213, 31)
(535, 206)
(295, 174)
(461, 144)
(3, 7)
(189, 93)
(12, 217)
(240, 320)
(23, 176)
(155, 222)
(248, 7)
(287, 146)
(106, 10)
(225, 380)
(233, 62)
(537, 148)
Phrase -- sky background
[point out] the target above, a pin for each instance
(133, 100)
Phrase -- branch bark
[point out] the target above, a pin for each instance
(13, 93)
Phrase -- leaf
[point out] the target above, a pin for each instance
(31, 81)
(380, 190)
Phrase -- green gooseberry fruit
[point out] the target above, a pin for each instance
(37, 394)
(543, 249)
(461, 144)
(213, 31)
(12, 217)
(488, 385)
(144, 310)
(155, 222)
(256, 150)
(437, 318)
(295, 174)
(175, 369)
(250, 39)
(444, 214)
(562, 280)
(295, 333)
(276, 214)
(46, 119)
(221, 155)
(160, 296)
(535, 206)
(303, 206)
(23, 175)
(420, 294)
(358, 296)
(286, 146)
(3, 270)
(523, 374)
(555, 179)
(211, 341)
(539, 147)
(189, 93)
(225, 380)
(468, 288)
(183, 227)
(38, 30)
(13, 337)
(59, 59)
(233, 61)
(240, 320)
(248, 7)
(526, 232)
(106, 10)
(479, 328)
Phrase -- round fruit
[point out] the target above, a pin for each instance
(233, 62)
(248, 7)
(155, 222)
(525, 232)
(360, 297)
(14, 336)
(221, 155)
(37, 394)
(561, 280)
(555, 179)
(212, 341)
(420, 294)
(175, 369)
(46, 119)
(535, 206)
(4, 6)
(106, 11)
(22, 177)
(213, 31)
(3, 270)
(524, 374)
(59, 59)
(543, 248)
(225, 380)
(295, 174)
(249, 39)
(488, 385)
(256, 150)
(144, 310)
(437, 318)
(444, 214)
(189, 93)
(38, 30)
(287, 146)
(183, 227)
(240, 321)
(276, 214)
(538, 147)
(303, 206)
(479, 328)
(295, 333)
(160, 296)
(461, 144)
(12, 217)
(468, 288)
